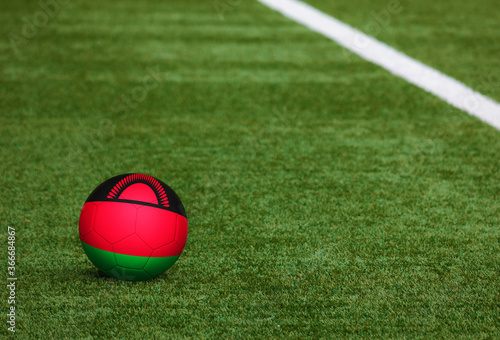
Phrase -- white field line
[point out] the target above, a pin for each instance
(369, 48)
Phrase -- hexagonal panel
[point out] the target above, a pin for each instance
(102, 259)
(85, 224)
(95, 240)
(181, 233)
(156, 226)
(157, 265)
(171, 249)
(115, 220)
(131, 262)
(132, 246)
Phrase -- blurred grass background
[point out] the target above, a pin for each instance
(458, 38)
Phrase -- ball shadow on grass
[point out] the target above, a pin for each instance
(97, 274)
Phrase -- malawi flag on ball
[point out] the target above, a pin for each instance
(133, 227)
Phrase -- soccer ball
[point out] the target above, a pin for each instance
(133, 227)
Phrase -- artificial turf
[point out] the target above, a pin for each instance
(459, 38)
(325, 197)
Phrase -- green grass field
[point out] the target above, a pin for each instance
(326, 198)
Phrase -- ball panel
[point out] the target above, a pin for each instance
(85, 224)
(132, 245)
(127, 274)
(131, 262)
(156, 226)
(157, 265)
(95, 240)
(181, 231)
(115, 220)
(171, 249)
(102, 259)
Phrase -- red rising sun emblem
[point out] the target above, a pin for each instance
(139, 187)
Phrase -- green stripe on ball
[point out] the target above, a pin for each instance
(128, 267)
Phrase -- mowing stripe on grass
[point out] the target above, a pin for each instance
(369, 48)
